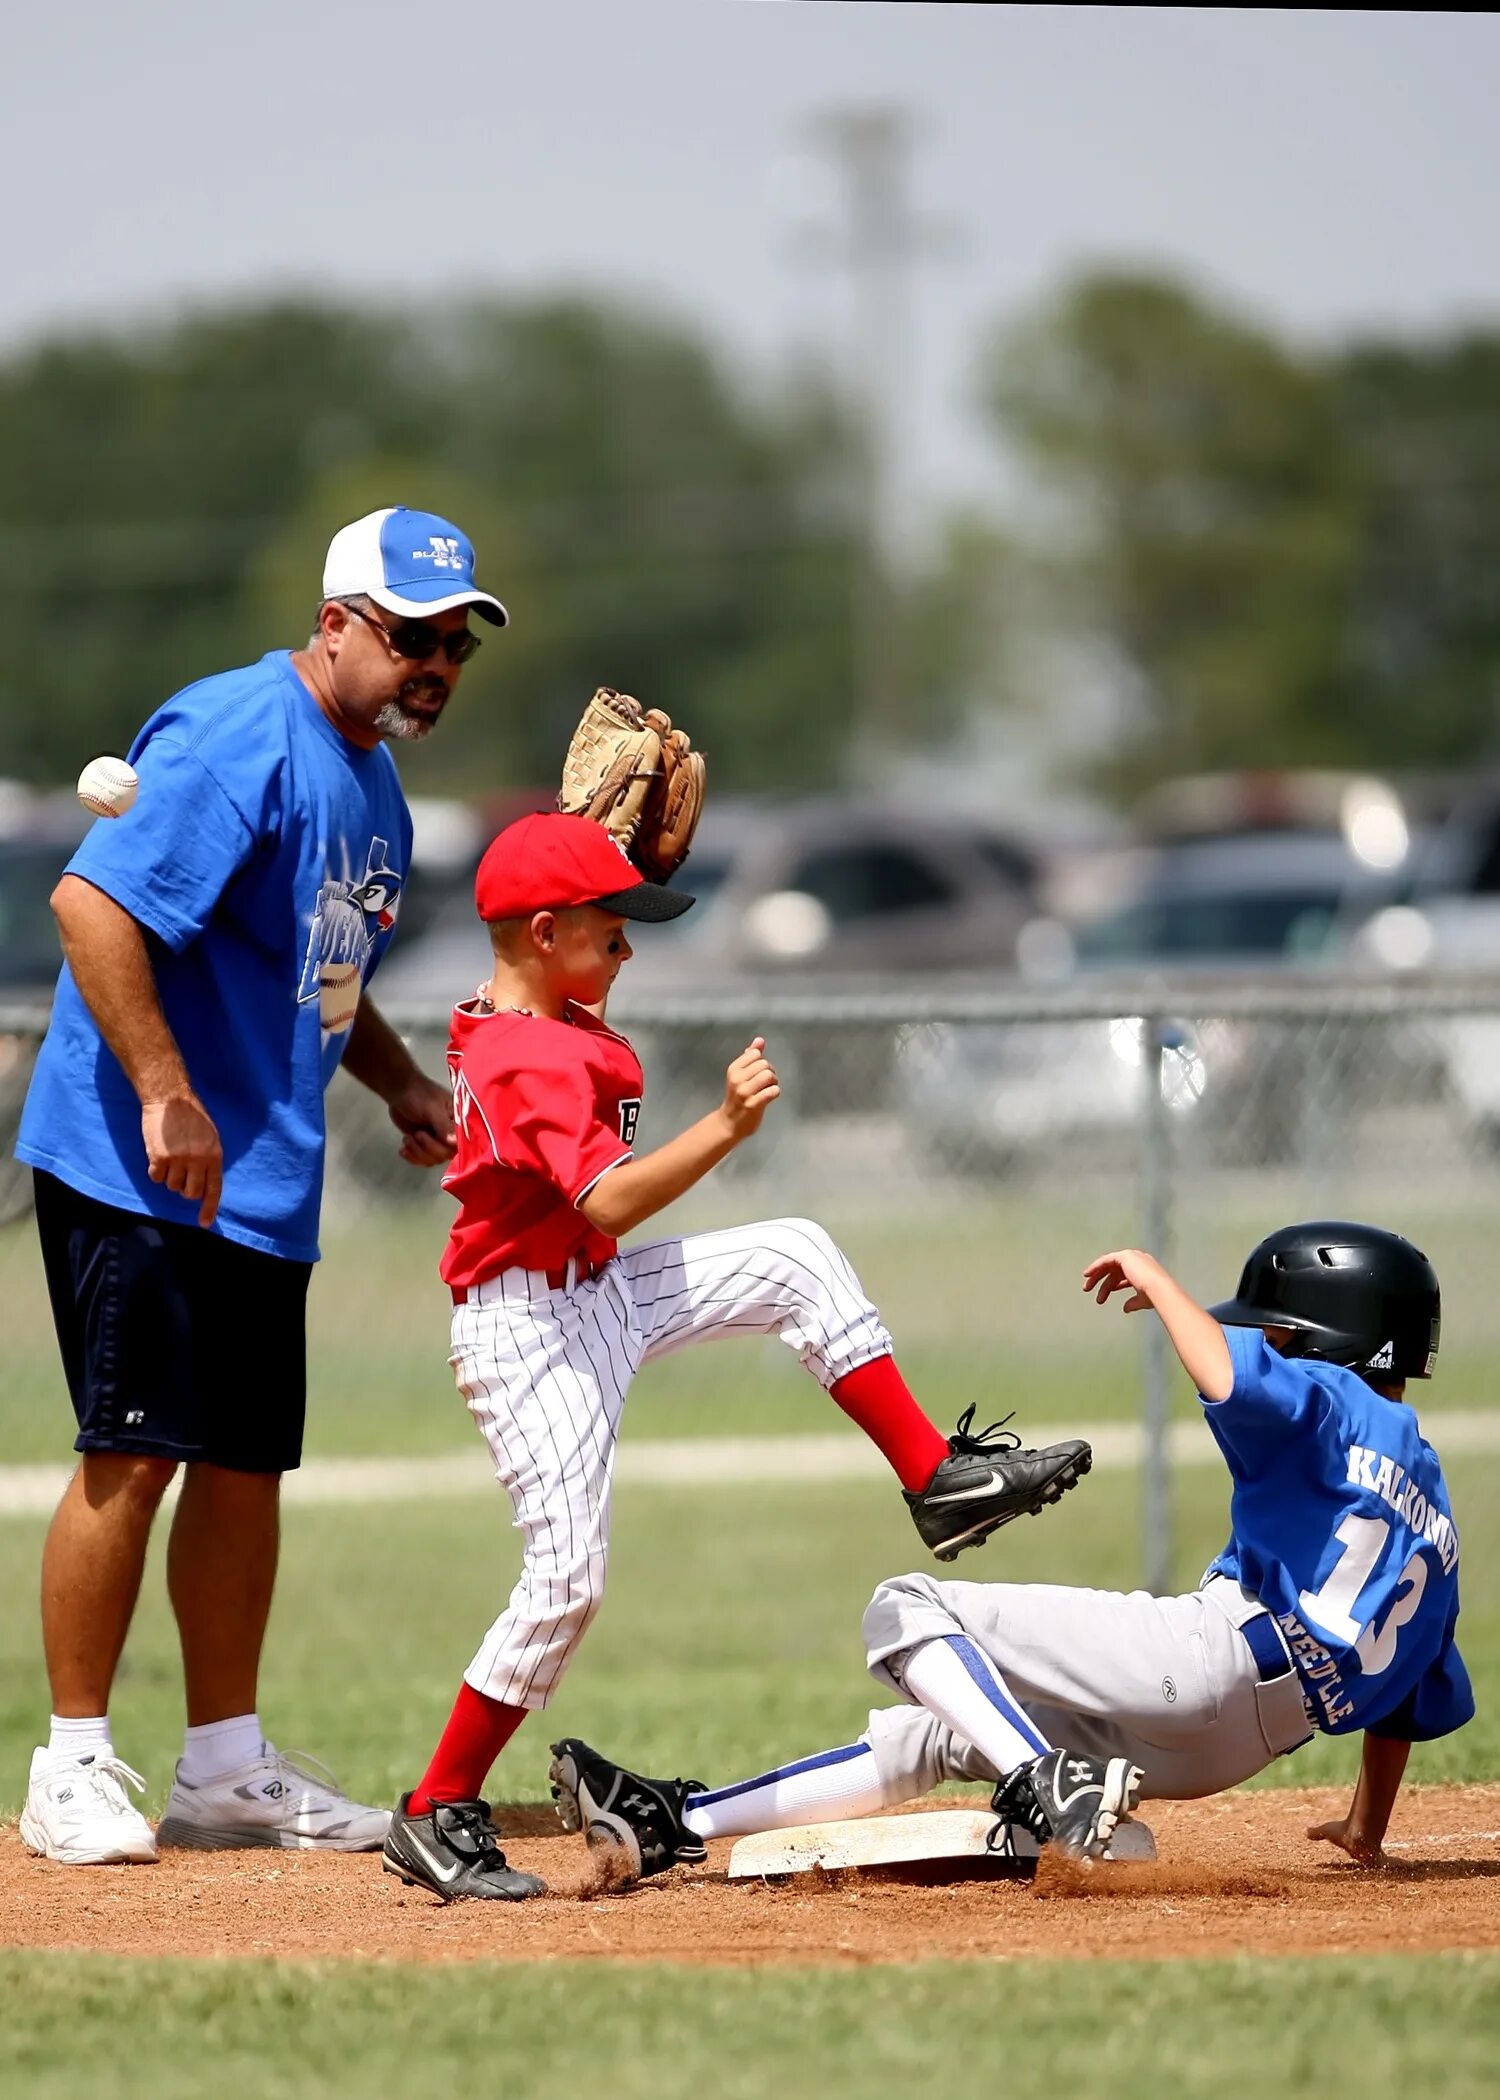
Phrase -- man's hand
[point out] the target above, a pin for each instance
(750, 1086)
(183, 1150)
(420, 1108)
(1343, 1833)
(1128, 1269)
(423, 1112)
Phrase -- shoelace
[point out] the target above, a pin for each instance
(679, 1793)
(307, 1768)
(983, 1443)
(473, 1821)
(1016, 1802)
(108, 1773)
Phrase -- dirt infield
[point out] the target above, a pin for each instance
(1235, 1875)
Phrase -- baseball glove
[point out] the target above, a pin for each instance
(628, 769)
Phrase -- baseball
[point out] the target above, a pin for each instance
(107, 786)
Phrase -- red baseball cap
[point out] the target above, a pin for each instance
(549, 862)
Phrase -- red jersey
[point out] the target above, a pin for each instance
(542, 1109)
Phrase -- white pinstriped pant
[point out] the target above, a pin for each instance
(545, 1373)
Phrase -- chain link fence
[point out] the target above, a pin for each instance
(970, 1149)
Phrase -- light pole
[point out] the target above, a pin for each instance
(879, 241)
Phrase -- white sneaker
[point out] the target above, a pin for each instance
(77, 1811)
(291, 1803)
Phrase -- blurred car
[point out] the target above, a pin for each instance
(1447, 919)
(983, 1098)
(1265, 901)
(808, 891)
(989, 1097)
(812, 888)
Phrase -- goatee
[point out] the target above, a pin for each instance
(393, 720)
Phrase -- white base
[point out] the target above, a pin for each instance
(884, 1841)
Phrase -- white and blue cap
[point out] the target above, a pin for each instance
(409, 561)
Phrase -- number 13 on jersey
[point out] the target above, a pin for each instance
(1330, 1607)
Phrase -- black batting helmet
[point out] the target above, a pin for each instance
(1352, 1294)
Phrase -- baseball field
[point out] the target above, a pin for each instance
(729, 1640)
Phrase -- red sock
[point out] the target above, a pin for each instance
(478, 1730)
(876, 1396)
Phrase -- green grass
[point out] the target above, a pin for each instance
(730, 1638)
(979, 1288)
(110, 2030)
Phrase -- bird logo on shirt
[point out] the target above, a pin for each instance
(379, 896)
(349, 918)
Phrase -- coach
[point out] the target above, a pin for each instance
(218, 941)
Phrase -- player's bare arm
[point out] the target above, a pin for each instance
(1361, 1833)
(111, 964)
(1194, 1334)
(420, 1108)
(629, 1194)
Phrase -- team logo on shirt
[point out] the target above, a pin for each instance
(352, 912)
(630, 1115)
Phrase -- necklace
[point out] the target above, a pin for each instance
(486, 1005)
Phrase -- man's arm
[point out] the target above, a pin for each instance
(625, 1196)
(1194, 1334)
(1361, 1832)
(111, 966)
(421, 1108)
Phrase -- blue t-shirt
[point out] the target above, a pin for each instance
(265, 857)
(1343, 1528)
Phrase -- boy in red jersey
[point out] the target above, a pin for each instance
(551, 1321)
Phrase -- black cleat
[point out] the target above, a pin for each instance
(451, 1849)
(1071, 1802)
(635, 1825)
(987, 1479)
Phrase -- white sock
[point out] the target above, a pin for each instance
(219, 1747)
(69, 1738)
(819, 1789)
(962, 1687)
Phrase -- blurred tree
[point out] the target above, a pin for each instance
(138, 477)
(962, 625)
(681, 532)
(1196, 517)
(165, 499)
(1422, 424)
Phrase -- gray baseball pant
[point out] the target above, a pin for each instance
(1168, 1682)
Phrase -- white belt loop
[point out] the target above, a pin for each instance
(521, 1286)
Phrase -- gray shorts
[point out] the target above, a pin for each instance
(1169, 1682)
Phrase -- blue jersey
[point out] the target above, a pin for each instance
(1342, 1527)
(264, 857)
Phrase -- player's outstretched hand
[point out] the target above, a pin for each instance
(1127, 1269)
(183, 1150)
(750, 1086)
(1341, 1832)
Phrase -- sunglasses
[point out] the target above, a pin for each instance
(419, 639)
